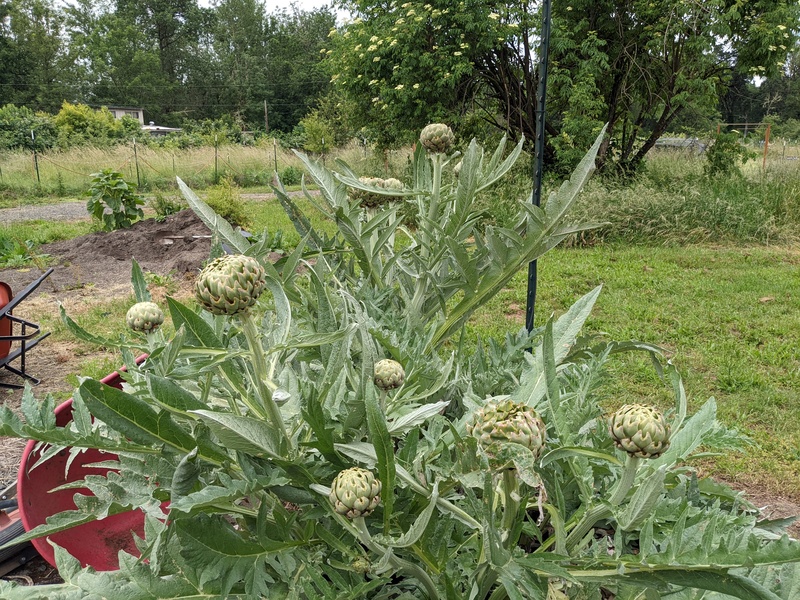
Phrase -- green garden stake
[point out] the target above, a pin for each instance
(216, 161)
(136, 160)
(35, 158)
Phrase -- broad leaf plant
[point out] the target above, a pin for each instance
(319, 427)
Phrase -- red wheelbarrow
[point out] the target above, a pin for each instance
(94, 544)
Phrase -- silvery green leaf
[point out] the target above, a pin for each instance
(416, 417)
(140, 290)
(414, 533)
(641, 506)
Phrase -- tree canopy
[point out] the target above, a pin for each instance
(174, 58)
(636, 64)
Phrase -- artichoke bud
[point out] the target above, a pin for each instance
(508, 421)
(230, 284)
(389, 374)
(437, 138)
(355, 492)
(144, 316)
(365, 198)
(640, 430)
(361, 565)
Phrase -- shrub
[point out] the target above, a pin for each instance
(291, 175)
(725, 154)
(113, 203)
(16, 125)
(80, 124)
(165, 206)
(226, 201)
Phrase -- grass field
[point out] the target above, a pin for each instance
(707, 269)
(67, 174)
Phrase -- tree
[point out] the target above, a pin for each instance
(35, 68)
(636, 64)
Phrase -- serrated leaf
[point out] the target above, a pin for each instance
(218, 552)
(414, 533)
(644, 500)
(198, 332)
(690, 437)
(245, 434)
(134, 418)
(384, 450)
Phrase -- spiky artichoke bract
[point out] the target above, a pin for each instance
(508, 421)
(144, 316)
(640, 430)
(389, 374)
(437, 138)
(230, 284)
(355, 492)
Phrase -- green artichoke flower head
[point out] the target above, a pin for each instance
(437, 138)
(368, 199)
(389, 374)
(640, 430)
(355, 492)
(144, 316)
(230, 284)
(503, 420)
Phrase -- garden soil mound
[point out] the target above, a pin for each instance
(175, 246)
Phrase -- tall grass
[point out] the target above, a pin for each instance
(673, 202)
(66, 173)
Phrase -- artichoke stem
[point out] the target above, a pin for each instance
(511, 502)
(590, 517)
(626, 482)
(411, 569)
(603, 511)
(273, 413)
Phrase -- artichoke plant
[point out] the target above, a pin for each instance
(389, 374)
(437, 138)
(508, 421)
(230, 284)
(640, 430)
(355, 492)
(144, 316)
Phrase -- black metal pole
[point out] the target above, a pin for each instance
(536, 196)
(35, 159)
(136, 160)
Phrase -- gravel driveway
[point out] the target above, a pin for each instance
(65, 211)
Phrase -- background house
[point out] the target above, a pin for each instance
(127, 111)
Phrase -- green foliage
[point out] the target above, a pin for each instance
(291, 175)
(165, 205)
(253, 416)
(725, 154)
(16, 125)
(79, 124)
(113, 203)
(225, 200)
(14, 253)
(319, 135)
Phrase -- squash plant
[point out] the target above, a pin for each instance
(317, 428)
